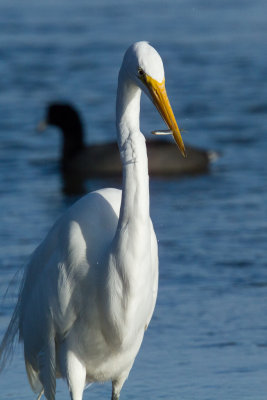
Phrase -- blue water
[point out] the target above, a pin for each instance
(208, 337)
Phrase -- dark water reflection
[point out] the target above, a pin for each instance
(208, 338)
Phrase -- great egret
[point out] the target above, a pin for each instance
(90, 288)
(103, 160)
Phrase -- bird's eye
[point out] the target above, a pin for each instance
(140, 72)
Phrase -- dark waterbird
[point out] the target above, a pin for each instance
(103, 160)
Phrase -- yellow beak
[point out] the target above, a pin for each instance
(160, 99)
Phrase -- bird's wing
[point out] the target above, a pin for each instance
(47, 368)
(52, 295)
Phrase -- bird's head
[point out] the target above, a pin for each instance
(65, 117)
(145, 67)
(62, 115)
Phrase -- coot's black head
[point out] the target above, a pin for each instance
(64, 116)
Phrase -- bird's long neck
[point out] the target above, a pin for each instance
(131, 247)
(135, 193)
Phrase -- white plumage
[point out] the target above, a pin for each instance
(90, 288)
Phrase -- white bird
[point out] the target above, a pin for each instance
(90, 288)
